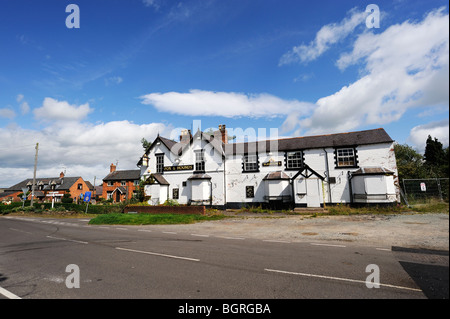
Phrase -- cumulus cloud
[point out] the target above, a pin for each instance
(405, 66)
(81, 148)
(325, 38)
(419, 134)
(227, 104)
(7, 113)
(54, 110)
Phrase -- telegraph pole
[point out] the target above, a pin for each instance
(34, 174)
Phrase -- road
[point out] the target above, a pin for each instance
(150, 262)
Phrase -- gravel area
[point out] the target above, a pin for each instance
(428, 231)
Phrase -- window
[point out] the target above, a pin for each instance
(123, 183)
(160, 163)
(110, 183)
(80, 186)
(250, 163)
(249, 191)
(175, 193)
(136, 183)
(345, 157)
(294, 160)
(109, 195)
(200, 161)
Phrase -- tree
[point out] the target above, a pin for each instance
(409, 162)
(436, 158)
(145, 144)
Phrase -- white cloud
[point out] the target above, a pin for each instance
(83, 149)
(405, 66)
(54, 110)
(7, 112)
(227, 104)
(325, 37)
(419, 134)
(151, 3)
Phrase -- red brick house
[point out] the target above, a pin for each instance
(120, 185)
(43, 188)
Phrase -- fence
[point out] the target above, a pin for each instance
(422, 190)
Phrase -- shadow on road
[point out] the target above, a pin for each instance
(428, 268)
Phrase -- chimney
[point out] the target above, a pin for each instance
(185, 136)
(61, 175)
(223, 133)
(112, 168)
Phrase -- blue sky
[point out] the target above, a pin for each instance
(136, 68)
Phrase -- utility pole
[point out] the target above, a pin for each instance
(34, 174)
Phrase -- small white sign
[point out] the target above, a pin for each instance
(423, 187)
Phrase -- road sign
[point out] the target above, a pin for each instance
(87, 196)
(423, 187)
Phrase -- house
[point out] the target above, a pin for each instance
(47, 187)
(120, 185)
(311, 171)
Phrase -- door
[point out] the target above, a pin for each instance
(313, 192)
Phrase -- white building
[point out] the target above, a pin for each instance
(355, 167)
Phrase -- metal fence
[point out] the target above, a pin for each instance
(423, 190)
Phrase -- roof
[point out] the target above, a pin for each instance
(375, 136)
(276, 176)
(199, 176)
(160, 179)
(60, 183)
(373, 171)
(367, 137)
(123, 175)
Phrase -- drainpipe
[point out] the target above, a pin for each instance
(350, 176)
(328, 176)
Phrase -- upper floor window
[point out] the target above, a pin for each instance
(294, 160)
(80, 186)
(250, 163)
(110, 183)
(160, 163)
(346, 157)
(200, 161)
(123, 183)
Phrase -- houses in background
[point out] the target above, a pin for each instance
(47, 187)
(120, 185)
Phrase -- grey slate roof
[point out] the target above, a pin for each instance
(61, 183)
(310, 142)
(123, 175)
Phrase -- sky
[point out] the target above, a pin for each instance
(89, 82)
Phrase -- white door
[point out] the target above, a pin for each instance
(313, 192)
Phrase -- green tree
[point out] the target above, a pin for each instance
(409, 162)
(145, 144)
(436, 158)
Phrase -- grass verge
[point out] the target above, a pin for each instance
(151, 219)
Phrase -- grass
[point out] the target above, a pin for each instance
(151, 219)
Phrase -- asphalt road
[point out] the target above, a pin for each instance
(138, 262)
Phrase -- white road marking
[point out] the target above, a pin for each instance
(157, 254)
(276, 241)
(146, 230)
(385, 249)
(226, 237)
(169, 232)
(120, 228)
(8, 294)
(328, 245)
(338, 278)
(199, 235)
(65, 239)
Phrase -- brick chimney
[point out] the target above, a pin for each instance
(185, 136)
(112, 168)
(223, 133)
(61, 175)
